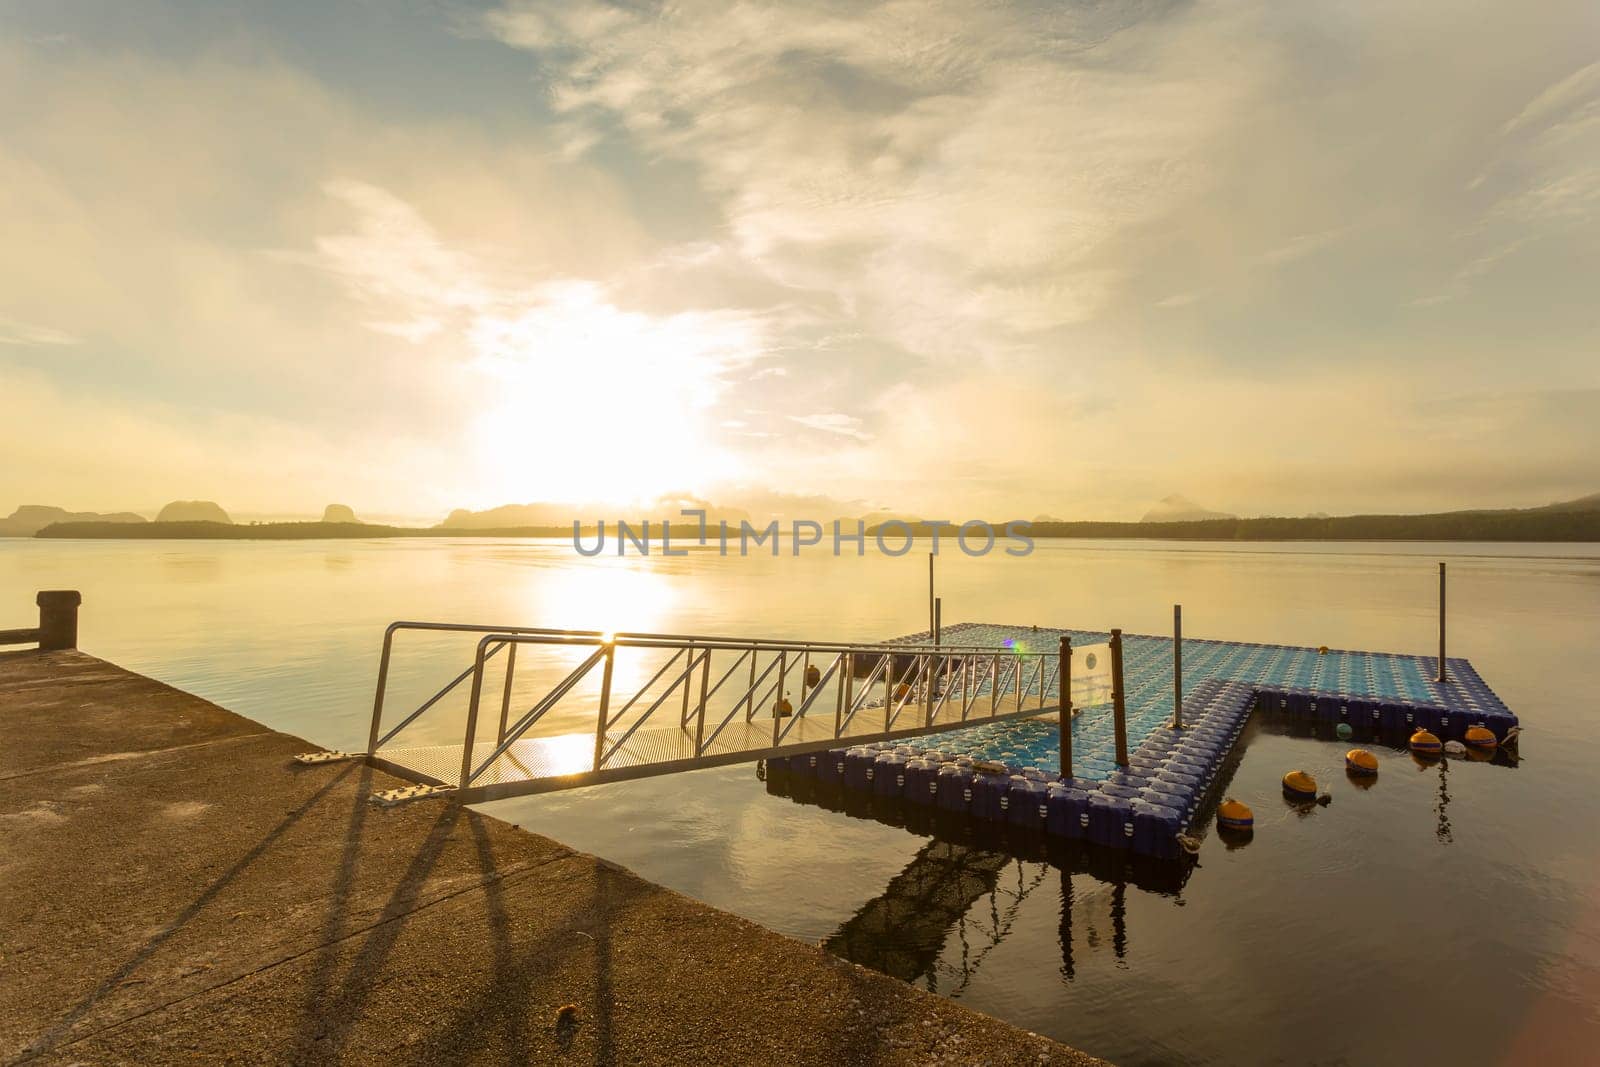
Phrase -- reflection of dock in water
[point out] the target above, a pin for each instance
(904, 930)
(963, 892)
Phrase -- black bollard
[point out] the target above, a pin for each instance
(58, 619)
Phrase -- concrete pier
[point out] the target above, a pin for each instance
(173, 888)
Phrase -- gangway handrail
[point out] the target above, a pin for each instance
(926, 674)
(628, 639)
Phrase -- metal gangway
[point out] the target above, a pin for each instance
(706, 701)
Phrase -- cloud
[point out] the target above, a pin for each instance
(13, 332)
(923, 254)
(833, 422)
(1301, 246)
(1573, 98)
(950, 173)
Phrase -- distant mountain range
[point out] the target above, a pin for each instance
(1570, 520)
(1177, 508)
(29, 519)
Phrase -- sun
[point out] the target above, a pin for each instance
(590, 402)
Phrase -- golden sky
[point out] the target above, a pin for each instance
(1001, 259)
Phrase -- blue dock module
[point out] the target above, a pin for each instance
(1006, 772)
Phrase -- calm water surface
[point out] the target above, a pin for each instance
(1447, 914)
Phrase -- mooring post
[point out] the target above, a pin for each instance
(1119, 710)
(1064, 712)
(1443, 675)
(58, 619)
(938, 618)
(1177, 666)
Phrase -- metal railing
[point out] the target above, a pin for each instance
(717, 688)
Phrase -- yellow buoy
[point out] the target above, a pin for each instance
(1235, 815)
(1361, 762)
(1425, 743)
(1480, 736)
(1300, 785)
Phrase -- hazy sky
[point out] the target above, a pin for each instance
(951, 258)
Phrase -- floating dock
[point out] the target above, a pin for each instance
(1008, 771)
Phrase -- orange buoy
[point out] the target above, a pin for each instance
(1480, 736)
(1300, 785)
(1235, 815)
(1425, 743)
(782, 709)
(813, 676)
(1359, 761)
(901, 691)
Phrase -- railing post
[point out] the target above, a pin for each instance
(505, 697)
(1443, 673)
(1177, 666)
(688, 672)
(472, 715)
(1064, 715)
(700, 712)
(750, 690)
(1119, 711)
(383, 682)
(783, 670)
(888, 688)
(58, 619)
(844, 693)
(605, 703)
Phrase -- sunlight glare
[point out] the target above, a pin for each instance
(592, 402)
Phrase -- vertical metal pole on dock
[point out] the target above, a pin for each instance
(1064, 713)
(688, 673)
(605, 706)
(844, 693)
(1119, 710)
(472, 715)
(505, 697)
(933, 625)
(938, 618)
(750, 694)
(1177, 666)
(383, 684)
(700, 713)
(1443, 676)
(783, 670)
